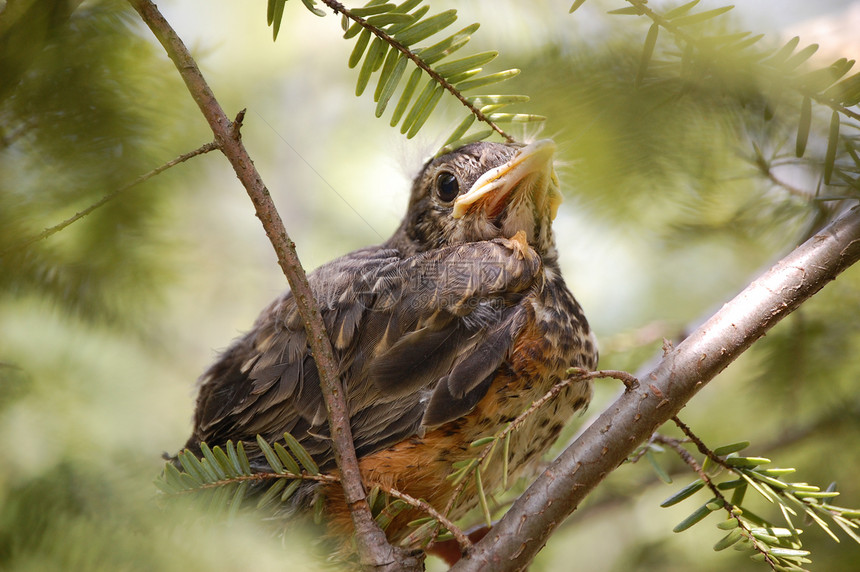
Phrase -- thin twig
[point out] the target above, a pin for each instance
(107, 198)
(322, 478)
(455, 530)
(373, 547)
(685, 456)
(677, 445)
(419, 504)
(448, 86)
(644, 449)
(700, 445)
(575, 374)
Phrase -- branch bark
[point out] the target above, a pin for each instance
(373, 547)
(683, 371)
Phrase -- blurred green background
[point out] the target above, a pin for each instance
(105, 326)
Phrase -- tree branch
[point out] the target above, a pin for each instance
(373, 547)
(631, 420)
(107, 198)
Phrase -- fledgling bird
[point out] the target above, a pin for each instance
(444, 333)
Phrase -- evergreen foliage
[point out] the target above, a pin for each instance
(683, 137)
(396, 29)
(73, 118)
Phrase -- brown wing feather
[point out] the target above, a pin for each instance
(398, 326)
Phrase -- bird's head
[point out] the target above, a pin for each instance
(483, 191)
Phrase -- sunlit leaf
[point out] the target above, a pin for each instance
(238, 497)
(448, 46)
(358, 49)
(515, 117)
(784, 52)
(506, 452)
(276, 8)
(803, 126)
(825, 77)
(290, 489)
(846, 91)
(234, 459)
(426, 28)
(482, 498)
(390, 84)
(301, 454)
(270, 455)
(372, 62)
(290, 464)
(454, 67)
(243, 458)
(800, 57)
(481, 100)
(738, 495)
(319, 508)
(832, 144)
(310, 5)
(272, 492)
(471, 138)
(700, 17)
(576, 5)
(460, 130)
(647, 52)
(658, 468)
(226, 465)
(425, 111)
(684, 493)
(680, 10)
(407, 6)
(697, 516)
(421, 102)
(485, 80)
(391, 61)
(628, 11)
(213, 464)
(365, 11)
(406, 96)
(732, 448)
(416, 16)
(729, 539)
(193, 467)
(744, 44)
(389, 18)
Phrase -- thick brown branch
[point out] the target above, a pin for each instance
(684, 370)
(374, 549)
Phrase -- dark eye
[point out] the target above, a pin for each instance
(447, 187)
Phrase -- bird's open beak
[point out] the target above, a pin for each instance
(530, 170)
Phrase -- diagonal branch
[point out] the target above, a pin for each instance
(373, 547)
(631, 420)
(107, 198)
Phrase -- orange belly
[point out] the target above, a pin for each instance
(420, 466)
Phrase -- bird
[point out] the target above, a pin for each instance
(443, 335)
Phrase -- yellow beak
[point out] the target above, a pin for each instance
(497, 185)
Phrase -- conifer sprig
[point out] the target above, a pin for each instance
(386, 37)
(725, 472)
(697, 52)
